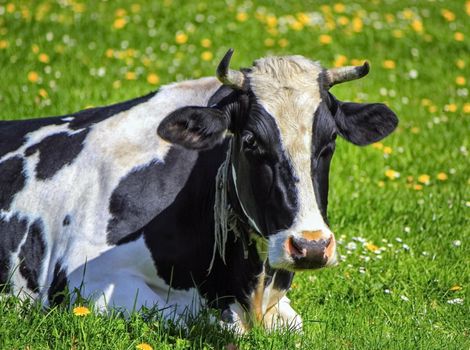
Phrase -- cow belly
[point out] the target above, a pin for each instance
(124, 278)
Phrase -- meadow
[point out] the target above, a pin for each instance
(400, 208)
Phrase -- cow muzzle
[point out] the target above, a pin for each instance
(311, 249)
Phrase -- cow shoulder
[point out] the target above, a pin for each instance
(147, 191)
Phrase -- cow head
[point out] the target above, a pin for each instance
(284, 123)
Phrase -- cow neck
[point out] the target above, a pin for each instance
(228, 214)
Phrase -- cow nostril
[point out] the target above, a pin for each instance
(295, 249)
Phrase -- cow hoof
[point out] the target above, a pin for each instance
(283, 317)
(231, 321)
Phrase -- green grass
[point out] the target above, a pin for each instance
(398, 299)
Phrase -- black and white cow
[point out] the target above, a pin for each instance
(201, 194)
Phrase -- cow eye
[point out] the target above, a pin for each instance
(249, 141)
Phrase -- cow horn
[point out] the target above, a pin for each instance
(343, 74)
(228, 76)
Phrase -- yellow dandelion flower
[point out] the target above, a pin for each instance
(119, 23)
(392, 174)
(271, 21)
(409, 179)
(81, 311)
(343, 20)
(135, 8)
(389, 18)
(460, 80)
(397, 33)
(207, 56)
(389, 64)
(466, 108)
(378, 145)
(424, 178)
(144, 346)
(340, 61)
(153, 79)
(426, 102)
(417, 187)
(372, 247)
(442, 176)
(109, 53)
(206, 43)
(120, 12)
(303, 18)
(44, 58)
(458, 36)
(283, 42)
(467, 7)
(273, 31)
(25, 13)
(408, 14)
(242, 16)
(357, 24)
(181, 38)
(381, 184)
(387, 150)
(79, 7)
(117, 84)
(432, 109)
(10, 7)
(455, 288)
(298, 26)
(451, 107)
(460, 63)
(417, 26)
(43, 93)
(330, 23)
(414, 130)
(131, 52)
(269, 42)
(325, 39)
(121, 55)
(339, 7)
(448, 15)
(33, 76)
(3, 44)
(131, 76)
(325, 9)
(35, 48)
(146, 61)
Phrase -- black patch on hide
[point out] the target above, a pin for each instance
(145, 192)
(32, 255)
(56, 151)
(11, 233)
(66, 221)
(57, 290)
(12, 180)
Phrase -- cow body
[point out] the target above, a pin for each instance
(77, 190)
(107, 204)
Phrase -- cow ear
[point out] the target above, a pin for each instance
(194, 127)
(364, 123)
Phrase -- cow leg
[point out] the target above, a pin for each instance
(125, 292)
(282, 315)
(120, 291)
(234, 318)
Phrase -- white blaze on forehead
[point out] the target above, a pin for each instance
(288, 89)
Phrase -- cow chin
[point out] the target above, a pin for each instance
(295, 252)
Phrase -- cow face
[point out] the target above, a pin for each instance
(284, 123)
